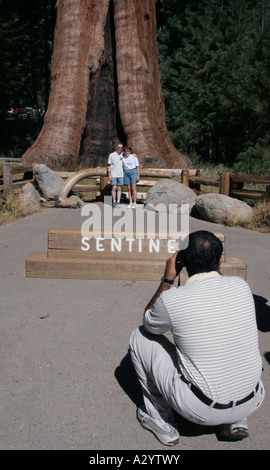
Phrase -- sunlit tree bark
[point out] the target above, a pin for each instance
(105, 86)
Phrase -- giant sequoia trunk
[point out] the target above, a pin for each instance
(105, 86)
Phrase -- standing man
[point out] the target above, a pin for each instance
(211, 374)
(116, 173)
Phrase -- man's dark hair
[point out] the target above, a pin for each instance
(203, 252)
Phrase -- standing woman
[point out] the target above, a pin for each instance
(131, 175)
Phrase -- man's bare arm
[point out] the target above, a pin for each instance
(170, 274)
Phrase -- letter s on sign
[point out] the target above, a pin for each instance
(85, 242)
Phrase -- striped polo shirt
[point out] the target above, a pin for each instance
(213, 322)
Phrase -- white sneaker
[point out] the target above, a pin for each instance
(134, 206)
(233, 432)
(164, 432)
(129, 206)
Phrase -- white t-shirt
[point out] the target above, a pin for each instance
(213, 322)
(116, 162)
(130, 162)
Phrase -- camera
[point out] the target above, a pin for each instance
(178, 263)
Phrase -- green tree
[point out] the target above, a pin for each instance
(214, 62)
(26, 31)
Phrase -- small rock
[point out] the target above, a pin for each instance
(29, 196)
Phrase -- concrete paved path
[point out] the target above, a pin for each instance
(66, 380)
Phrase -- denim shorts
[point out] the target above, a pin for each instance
(130, 176)
(117, 181)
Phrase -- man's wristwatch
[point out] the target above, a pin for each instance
(169, 281)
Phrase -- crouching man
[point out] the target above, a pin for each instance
(211, 374)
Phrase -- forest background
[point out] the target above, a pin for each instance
(214, 59)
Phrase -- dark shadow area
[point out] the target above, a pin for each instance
(103, 121)
(126, 376)
(189, 429)
(16, 135)
(262, 313)
(267, 356)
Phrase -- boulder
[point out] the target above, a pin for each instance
(220, 209)
(168, 196)
(48, 180)
(29, 196)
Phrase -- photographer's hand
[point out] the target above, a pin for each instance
(170, 269)
(170, 273)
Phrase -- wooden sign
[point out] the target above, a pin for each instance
(71, 255)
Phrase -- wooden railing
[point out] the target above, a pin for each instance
(230, 184)
(233, 185)
(13, 177)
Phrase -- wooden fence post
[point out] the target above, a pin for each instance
(7, 180)
(267, 190)
(105, 189)
(185, 177)
(224, 186)
(199, 187)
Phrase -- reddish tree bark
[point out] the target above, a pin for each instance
(105, 86)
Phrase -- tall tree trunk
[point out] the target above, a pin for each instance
(105, 86)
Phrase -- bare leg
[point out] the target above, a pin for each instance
(129, 193)
(134, 192)
(114, 193)
(119, 191)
